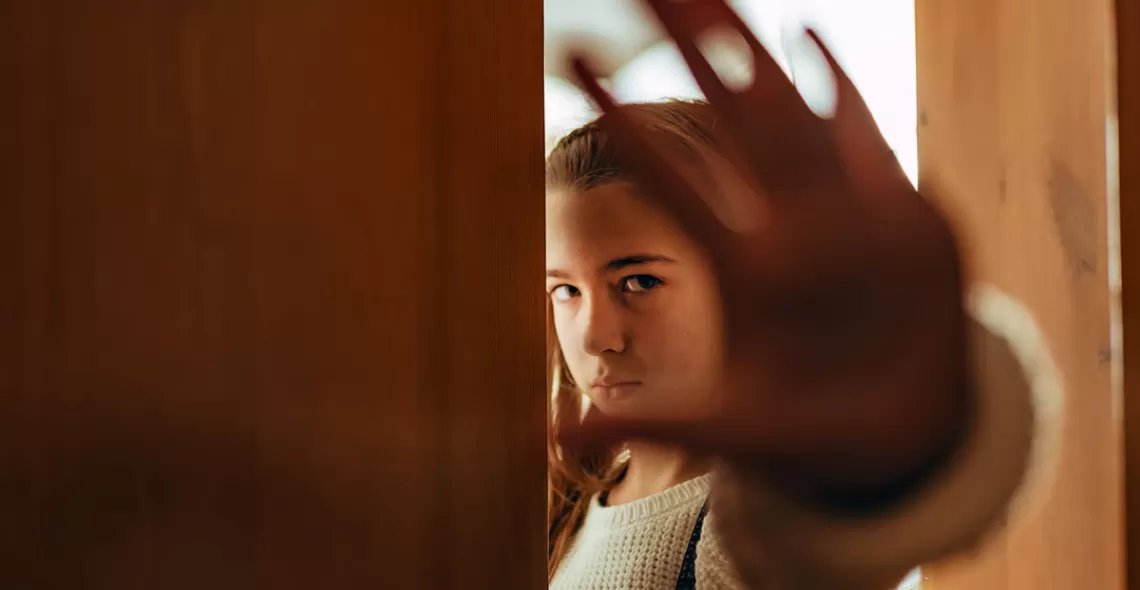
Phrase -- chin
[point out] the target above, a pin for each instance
(620, 407)
(650, 407)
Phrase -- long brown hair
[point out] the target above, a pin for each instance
(584, 159)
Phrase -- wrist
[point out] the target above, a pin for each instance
(868, 498)
(865, 476)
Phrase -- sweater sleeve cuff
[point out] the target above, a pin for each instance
(1010, 455)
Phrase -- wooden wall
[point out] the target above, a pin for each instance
(1128, 170)
(270, 299)
(1014, 105)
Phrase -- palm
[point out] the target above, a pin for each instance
(841, 287)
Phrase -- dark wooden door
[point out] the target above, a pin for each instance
(270, 299)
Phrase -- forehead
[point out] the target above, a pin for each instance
(607, 222)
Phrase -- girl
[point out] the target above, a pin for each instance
(766, 325)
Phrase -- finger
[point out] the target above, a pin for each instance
(656, 170)
(869, 160)
(784, 140)
(701, 437)
(686, 21)
(569, 431)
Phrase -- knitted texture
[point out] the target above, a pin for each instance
(640, 545)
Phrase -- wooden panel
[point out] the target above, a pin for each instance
(270, 313)
(1013, 101)
(1128, 171)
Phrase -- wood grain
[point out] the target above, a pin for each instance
(1013, 107)
(1127, 170)
(269, 295)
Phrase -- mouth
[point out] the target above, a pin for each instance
(613, 390)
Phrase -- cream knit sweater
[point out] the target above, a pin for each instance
(640, 545)
(773, 541)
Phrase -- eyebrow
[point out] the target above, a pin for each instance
(617, 264)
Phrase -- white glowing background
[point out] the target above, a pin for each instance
(873, 39)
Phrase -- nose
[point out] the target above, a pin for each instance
(603, 330)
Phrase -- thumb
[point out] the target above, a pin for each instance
(870, 161)
(705, 436)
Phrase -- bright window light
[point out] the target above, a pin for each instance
(566, 109)
(874, 40)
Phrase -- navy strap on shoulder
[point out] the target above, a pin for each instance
(687, 579)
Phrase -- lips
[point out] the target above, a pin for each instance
(614, 388)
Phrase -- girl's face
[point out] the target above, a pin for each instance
(636, 305)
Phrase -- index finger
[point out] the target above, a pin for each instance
(668, 181)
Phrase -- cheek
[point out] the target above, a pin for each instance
(570, 343)
(687, 343)
(694, 349)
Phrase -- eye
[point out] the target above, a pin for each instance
(640, 283)
(563, 293)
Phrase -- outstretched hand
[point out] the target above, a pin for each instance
(842, 285)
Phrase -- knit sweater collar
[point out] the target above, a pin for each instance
(678, 496)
